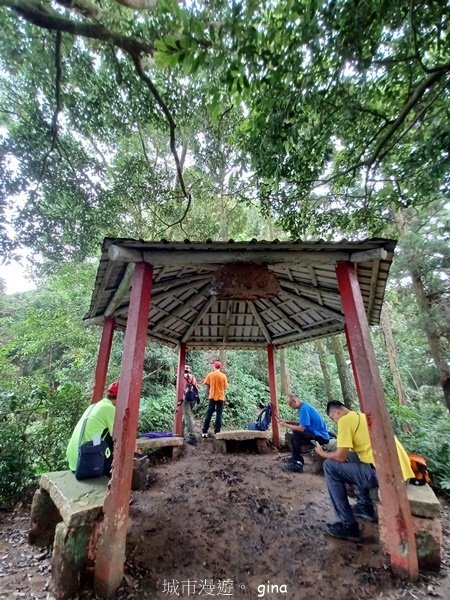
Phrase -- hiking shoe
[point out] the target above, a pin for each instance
(287, 459)
(366, 512)
(204, 435)
(344, 532)
(293, 467)
(192, 441)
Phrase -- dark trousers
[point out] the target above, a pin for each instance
(302, 437)
(213, 405)
(108, 454)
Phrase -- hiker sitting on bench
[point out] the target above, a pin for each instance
(96, 421)
(353, 462)
(310, 426)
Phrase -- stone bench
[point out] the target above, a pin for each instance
(426, 514)
(67, 512)
(232, 441)
(152, 447)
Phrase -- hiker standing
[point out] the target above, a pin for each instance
(353, 462)
(310, 426)
(98, 421)
(190, 400)
(216, 383)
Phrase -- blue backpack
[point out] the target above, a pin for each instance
(263, 421)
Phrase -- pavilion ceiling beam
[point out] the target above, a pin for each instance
(173, 291)
(181, 257)
(284, 316)
(99, 294)
(260, 321)
(198, 318)
(179, 310)
(373, 288)
(175, 283)
(307, 335)
(122, 289)
(311, 304)
(308, 289)
(226, 326)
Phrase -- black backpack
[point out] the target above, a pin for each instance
(191, 394)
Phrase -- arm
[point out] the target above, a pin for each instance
(207, 390)
(291, 425)
(341, 454)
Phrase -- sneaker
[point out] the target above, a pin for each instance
(366, 512)
(293, 467)
(344, 532)
(204, 435)
(192, 441)
(287, 459)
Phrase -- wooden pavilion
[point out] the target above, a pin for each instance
(241, 295)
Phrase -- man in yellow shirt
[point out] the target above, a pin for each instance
(353, 462)
(216, 383)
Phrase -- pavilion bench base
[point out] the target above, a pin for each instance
(426, 514)
(155, 448)
(67, 512)
(242, 439)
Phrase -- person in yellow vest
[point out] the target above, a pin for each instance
(98, 421)
(353, 462)
(216, 383)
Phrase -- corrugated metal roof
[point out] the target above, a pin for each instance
(291, 295)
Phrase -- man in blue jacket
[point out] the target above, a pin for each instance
(311, 426)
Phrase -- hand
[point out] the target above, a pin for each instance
(282, 422)
(320, 451)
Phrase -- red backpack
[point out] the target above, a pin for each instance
(419, 467)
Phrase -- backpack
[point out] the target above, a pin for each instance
(419, 467)
(263, 420)
(191, 394)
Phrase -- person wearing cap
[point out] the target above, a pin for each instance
(99, 423)
(188, 406)
(216, 383)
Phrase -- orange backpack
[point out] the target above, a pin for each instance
(419, 467)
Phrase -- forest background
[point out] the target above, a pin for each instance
(218, 120)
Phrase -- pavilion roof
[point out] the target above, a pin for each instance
(240, 294)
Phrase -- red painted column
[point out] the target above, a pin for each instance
(104, 353)
(273, 395)
(178, 421)
(397, 531)
(111, 548)
(355, 373)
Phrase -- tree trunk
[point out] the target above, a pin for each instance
(284, 373)
(431, 328)
(348, 390)
(323, 364)
(388, 338)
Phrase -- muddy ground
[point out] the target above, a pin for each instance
(229, 526)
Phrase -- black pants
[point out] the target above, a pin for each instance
(108, 455)
(213, 405)
(299, 438)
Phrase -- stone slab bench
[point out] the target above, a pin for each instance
(153, 446)
(227, 441)
(67, 512)
(426, 515)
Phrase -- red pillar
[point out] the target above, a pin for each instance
(104, 353)
(355, 373)
(178, 421)
(111, 548)
(397, 530)
(273, 395)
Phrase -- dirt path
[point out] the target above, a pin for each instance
(229, 526)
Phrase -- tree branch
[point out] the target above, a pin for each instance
(42, 16)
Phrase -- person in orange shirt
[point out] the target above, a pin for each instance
(216, 383)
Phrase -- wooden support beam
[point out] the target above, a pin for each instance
(396, 516)
(111, 547)
(227, 321)
(260, 321)
(179, 407)
(103, 359)
(306, 335)
(373, 288)
(311, 304)
(180, 309)
(285, 317)
(164, 289)
(122, 289)
(273, 395)
(296, 287)
(198, 318)
(263, 255)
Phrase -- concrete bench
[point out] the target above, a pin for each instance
(67, 512)
(426, 514)
(168, 446)
(232, 441)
